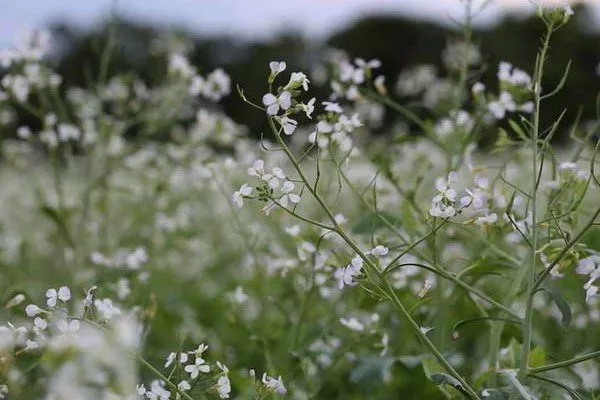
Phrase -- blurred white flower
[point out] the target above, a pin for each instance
(63, 294)
(274, 385)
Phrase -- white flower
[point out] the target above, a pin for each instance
(63, 294)
(49, 138)
(288, 196)
(590, 266)
(293, 230)
(274, 177)
(443, 204)
(477, 88)
(65, 326)
(340, 218)
(443, 187)
(140, 389)
(274, 385)
(283, 101)
(40, 323)
(170, 358)
(15, 301)
(289, 125)
(502, 105)
(309, 107)
(379, 251)
(375, 63)
(347, 275)
(257, 168)
(488, 219)
(179, 65)
(183, 358)
(200, 350)
(106, 308)
(184, 386)
(297, 79)
(197, 367)
(568, 10)
(238, 195)
(67, 132)
(217, 85)
(352, 324)
(333, 107)
(277, 67)
(441, 211)
(32, 310)
(24, 132)
(350, 74)
(223, 386)
(157, 391)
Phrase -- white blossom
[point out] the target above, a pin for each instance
(274, 385)
(274, 103)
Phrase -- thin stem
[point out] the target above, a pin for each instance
(565, 250)
(537, 88)
(388, 289)
(565, 363)
(462, 285)
(302, 218)
(164, 378)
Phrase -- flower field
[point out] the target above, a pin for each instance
(153, 248)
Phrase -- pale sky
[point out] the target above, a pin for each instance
(247, 18)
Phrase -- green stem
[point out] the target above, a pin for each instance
(537, 88)
(462, 285)
(565, 363)
(391, 294)
(164, 378)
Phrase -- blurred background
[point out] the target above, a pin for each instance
(242, 36)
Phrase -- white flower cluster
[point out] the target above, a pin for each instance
(214, 86)
(27, 73)
(270, 182)
(416, 80)
(590, 266)
(515, 91)
(348, 76)
(285, 101)
(157, 388)
(335, 128)
(122, 258)
(67, 342)
(568, 173)
(459, 123)
(346, 276)
(444, 204)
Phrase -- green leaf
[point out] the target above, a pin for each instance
(536, 357)
(523, 391)
(434, 372)
(510, 359)
(503, 141)
(518, 130)
(562, 304)
(60, 220)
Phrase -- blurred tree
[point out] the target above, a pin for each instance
(398, 42)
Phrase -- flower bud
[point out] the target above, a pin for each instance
(558, 14)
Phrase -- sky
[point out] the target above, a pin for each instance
(247, 18)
